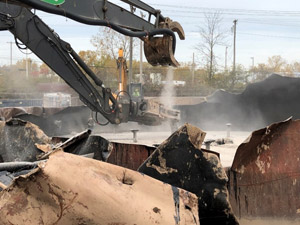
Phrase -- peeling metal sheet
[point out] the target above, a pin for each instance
(18, 139)
(265, 175)
(70, 189)
(179, 161)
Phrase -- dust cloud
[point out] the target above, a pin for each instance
(168, 91)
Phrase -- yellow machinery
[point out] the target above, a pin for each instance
(122, 68)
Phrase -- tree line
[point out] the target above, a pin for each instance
(201, 79)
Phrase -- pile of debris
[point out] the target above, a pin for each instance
(55, 181)
(87, 179)
(269, 101)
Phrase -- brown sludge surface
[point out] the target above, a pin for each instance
(70, 189)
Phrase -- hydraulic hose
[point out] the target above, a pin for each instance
(14, 166)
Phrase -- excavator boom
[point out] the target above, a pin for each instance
(17, 17)
(104, 13)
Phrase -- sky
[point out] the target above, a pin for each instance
(265, 28)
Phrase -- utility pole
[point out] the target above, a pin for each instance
(10, 42)
(226, 59)
(27, 74)
(252, 58)
(141, 56)
(141, 62)
(130, 60)
(193, 69)
(252, 62)
(234, 46)
(132, 9)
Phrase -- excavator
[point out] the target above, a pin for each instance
(156, 31)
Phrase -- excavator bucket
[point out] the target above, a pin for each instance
(160, 50)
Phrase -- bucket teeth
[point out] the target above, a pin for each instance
(176, 27)
(159, 51)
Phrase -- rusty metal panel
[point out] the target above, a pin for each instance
(130, 156)
(265, 175)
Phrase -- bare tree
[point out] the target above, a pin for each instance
(211, 36)
(276, 63)
(108, 42)
(296, 67)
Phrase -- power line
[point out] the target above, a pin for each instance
(262, 22)
(253, 34)
(266, 35)
(234, 13)
(263, 12)
(259, 20)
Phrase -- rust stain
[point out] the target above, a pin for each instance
(40, 188)
(83, 205)
(19, 204)
(61, 201)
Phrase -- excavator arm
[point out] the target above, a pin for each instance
(158, 50)
(18, 18)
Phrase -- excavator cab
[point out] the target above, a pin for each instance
(136, 91)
